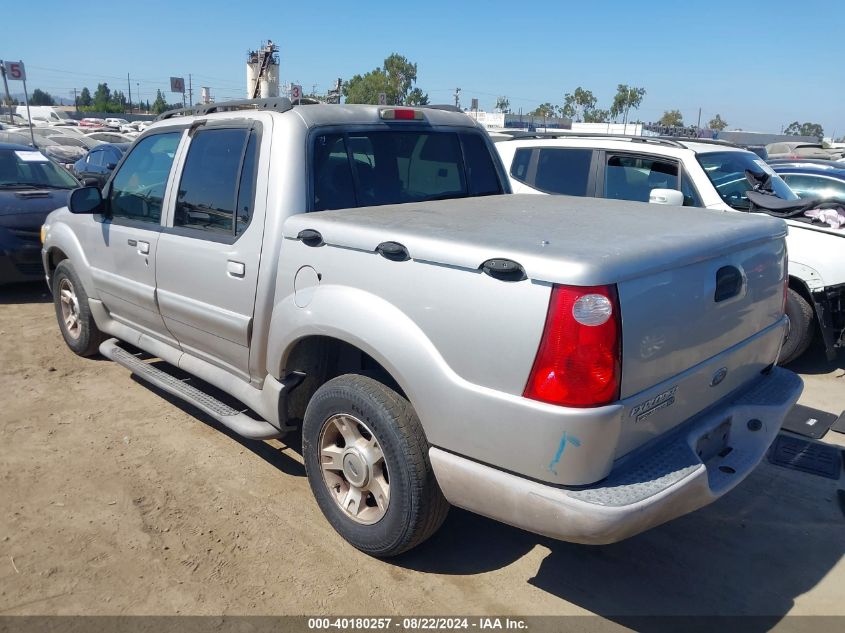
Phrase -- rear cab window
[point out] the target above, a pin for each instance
(378, 167)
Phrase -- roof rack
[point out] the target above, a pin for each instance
(656, 140)
(279, 104)
(691, 139)
(448, 107)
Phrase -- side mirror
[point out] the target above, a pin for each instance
(90, 182)
(672, 197)
(111, 166)
(85, 200)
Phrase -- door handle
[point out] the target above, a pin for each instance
(235, 269)
(144, 248)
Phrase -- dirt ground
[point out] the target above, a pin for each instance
(117, 500)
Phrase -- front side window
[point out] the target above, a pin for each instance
(372, 168)
(215, 193)
(633, 177)
(808, 186)
(137, 190)
(563, 171)
(727, 172)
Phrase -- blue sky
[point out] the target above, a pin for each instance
(760, 64)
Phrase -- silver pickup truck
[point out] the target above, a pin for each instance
(584, 369)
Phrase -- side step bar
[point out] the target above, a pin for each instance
(240, 423)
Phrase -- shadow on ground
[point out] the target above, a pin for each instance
(273, 455)
(35, 292)
(751, 553)
(815, 362)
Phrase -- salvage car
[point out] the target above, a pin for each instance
(361, 276)
(96, 167)
(813, 179)
(31, 186)
(693, 173)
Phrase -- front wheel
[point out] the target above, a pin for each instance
(801, 329)
(73, 313)
(366, 457)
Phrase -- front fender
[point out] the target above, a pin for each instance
(61, 236)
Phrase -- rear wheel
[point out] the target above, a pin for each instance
(72, 312)
(366, 457)
(801, 327)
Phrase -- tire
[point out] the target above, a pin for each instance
(386, 423)
(80, 332)
(801, 328)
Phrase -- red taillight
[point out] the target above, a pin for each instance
(579, 361)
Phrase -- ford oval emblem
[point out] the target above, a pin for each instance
(719, 376)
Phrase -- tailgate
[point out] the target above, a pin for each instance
(693, 334)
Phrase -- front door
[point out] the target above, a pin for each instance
(123, 245)
(208, 255)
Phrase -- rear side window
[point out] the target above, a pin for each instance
(482, 178)
(633, 177)
(563, 171)
(373, 168)
(216, 190)
(137, 189)
(521, 160)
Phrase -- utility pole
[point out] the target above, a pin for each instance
(75, 100)
(129, 84)
(190, 91)
(698, 125)
(457, 97)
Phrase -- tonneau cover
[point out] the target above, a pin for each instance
(559, 239)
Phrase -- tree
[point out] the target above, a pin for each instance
(545, 110)
(627, 98)
(597, 116)
(503, 104)
(159, 105)
(578, 104)
(804, 129)
(39, 97)
(395, 78)
(85, 98)
(717, 123)
(416, 98)
(102, 97)
(672, 117)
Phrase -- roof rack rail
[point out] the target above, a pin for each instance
(448, 107)
(658, 140)
(695, 139)
(279, 104)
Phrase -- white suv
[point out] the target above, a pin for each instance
(697, 173)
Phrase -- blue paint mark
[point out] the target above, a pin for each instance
(559, 454)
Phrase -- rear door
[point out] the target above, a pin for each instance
(209, 252)
(122, 246)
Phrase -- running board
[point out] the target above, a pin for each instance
(240, 423)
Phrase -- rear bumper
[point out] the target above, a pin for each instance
(686, 470)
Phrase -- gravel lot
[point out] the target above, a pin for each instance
(117, 500)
